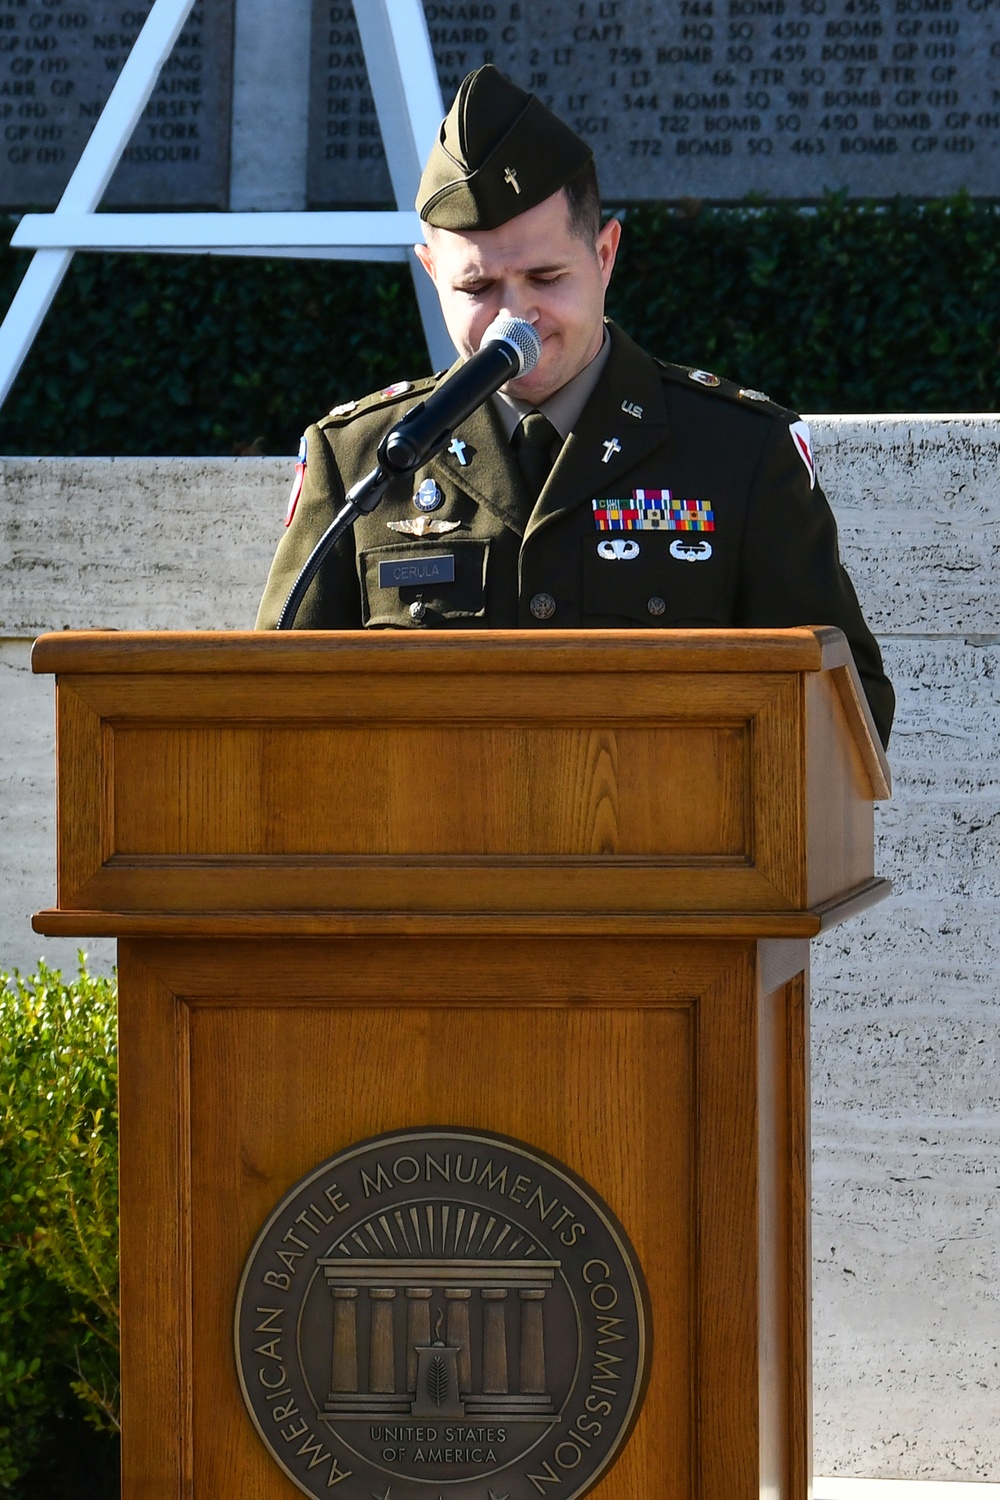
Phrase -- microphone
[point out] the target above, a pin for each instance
(509, 347)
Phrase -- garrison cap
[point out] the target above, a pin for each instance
(498, 153)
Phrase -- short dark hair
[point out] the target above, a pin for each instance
(583, 198)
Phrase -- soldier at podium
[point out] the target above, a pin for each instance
(604, 488)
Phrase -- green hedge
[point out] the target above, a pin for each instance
(845, 307)
(58, 1235)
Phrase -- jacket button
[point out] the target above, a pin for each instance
(543, 606)
(656, 605)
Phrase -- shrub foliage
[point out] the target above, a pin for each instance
(842, 307)
(58, 1211)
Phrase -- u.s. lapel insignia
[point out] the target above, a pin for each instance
(611, 447)
(428, 496)
(632, 410)
(458, 448)
(423, 526)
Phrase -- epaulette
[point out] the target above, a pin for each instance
(741, 394)
(403, 390)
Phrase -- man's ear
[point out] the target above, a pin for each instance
(608, 240)
(426, 259)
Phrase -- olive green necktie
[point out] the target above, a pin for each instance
(535, 445)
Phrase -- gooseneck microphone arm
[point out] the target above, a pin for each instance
(361, 500)
(510, 347)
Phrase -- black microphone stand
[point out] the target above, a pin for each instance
(360, 500)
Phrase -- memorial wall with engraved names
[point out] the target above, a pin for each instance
(59, 60)
(709, 98)
(712, 99)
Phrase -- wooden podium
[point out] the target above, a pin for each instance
(554, 885)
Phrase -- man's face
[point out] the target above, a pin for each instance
(535, 268)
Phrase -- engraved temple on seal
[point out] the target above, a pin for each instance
(426, 1337)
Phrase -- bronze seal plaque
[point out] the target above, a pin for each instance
(443, 1313)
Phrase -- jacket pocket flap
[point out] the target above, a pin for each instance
(416, 584)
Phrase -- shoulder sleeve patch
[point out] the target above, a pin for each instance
(299, 479)
(802, 438)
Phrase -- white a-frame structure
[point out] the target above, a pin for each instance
(408, 101)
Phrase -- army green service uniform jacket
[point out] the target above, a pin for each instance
(770, 559)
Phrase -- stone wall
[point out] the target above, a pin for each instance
(906, 1018)
(906, 1028)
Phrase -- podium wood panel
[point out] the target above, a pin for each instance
(402, 780)
(637, 1063)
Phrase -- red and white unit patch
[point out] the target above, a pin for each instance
(802, 438)
(298, 481)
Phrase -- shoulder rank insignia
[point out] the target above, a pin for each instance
(754, 395)
(342, 409)
(299, 480)
(704, 377)
(399, 389)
